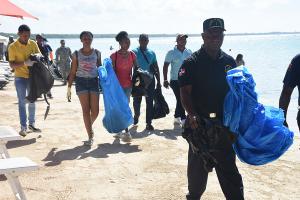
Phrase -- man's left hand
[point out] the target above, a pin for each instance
(29, 62)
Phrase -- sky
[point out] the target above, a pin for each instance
(154, 16)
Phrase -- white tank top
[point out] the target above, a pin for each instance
(87, 65)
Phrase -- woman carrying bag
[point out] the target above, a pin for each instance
(124, 62)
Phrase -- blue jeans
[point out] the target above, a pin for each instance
(22, 85)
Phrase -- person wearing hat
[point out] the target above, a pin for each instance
(175, 57)
(203, 87)
(63, 57)
(40, 40)
(146, 59)
(19, 52)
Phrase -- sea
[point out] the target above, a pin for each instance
(266, 57)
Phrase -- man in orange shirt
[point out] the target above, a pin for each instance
(19, 52)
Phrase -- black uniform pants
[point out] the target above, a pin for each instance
(179, 110)
(149, 103)
(227, 172)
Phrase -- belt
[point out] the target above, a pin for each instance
(212, 115)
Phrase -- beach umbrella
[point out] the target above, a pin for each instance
(9, 9)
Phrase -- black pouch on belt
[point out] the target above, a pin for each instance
(210, 136)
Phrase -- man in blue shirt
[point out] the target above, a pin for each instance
(146, 59)
(176, 57)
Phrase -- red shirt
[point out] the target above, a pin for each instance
(123, 67)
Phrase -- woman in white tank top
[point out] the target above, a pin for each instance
(84, 70)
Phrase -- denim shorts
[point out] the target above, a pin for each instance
(86, 85)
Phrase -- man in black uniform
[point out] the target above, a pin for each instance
(291, 80)
(203, 87)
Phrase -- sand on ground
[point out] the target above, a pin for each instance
(152, 166)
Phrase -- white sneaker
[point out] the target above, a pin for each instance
(126, 137)
(177, 120)
(23, 132)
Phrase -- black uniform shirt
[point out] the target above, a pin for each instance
(292, 75)
(208, 79)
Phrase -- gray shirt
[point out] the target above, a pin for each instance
(87, 65)
(63, 54)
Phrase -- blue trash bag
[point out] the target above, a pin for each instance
(261, 135)
(118, 115)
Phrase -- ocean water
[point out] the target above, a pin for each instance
(266, 56)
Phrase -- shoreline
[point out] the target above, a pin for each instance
(135, 35)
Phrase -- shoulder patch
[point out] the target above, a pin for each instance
(227, 68)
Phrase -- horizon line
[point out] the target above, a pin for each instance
(112, 35)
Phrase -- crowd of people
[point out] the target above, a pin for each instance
(198, 81)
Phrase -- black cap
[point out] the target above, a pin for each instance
(213, 23)
(181, 36)
(144, 37)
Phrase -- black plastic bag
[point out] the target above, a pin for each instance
(41, 81)
(208, 138)
(141, 80)
(161, 108)
(55, 71)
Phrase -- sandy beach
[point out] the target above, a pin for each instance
(152, 166)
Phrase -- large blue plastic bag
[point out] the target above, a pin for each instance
(261, 136)
(118, 115)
